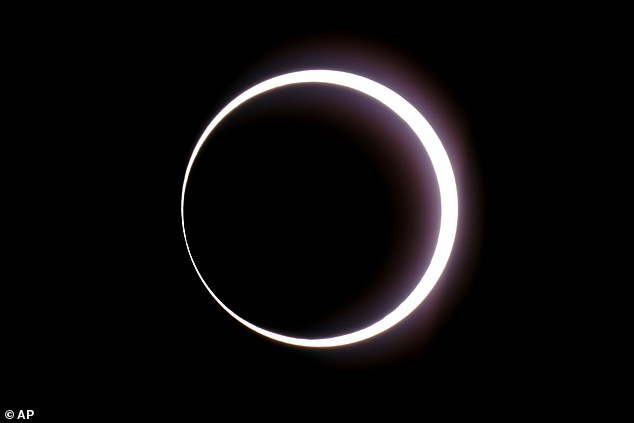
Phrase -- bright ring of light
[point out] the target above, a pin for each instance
(442, 168)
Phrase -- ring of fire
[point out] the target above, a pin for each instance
(440, 163)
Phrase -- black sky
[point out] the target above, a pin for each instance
(101, 293)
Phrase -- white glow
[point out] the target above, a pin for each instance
(442, 168)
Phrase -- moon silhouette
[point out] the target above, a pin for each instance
(442, 169)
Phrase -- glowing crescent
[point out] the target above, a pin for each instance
(442, 168)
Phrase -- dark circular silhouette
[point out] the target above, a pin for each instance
(312, 211)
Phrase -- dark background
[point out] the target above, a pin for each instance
(102, 307)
